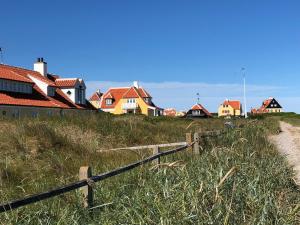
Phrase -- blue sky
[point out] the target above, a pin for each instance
(174, 48)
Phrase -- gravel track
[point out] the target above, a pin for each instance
(288, 144)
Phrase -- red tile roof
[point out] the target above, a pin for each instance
(7, 74)
(124, 92)
(144, 93)
(200, 107)
(25, 73)
(69, 82)
(233, 103)
(96, 96)
(170, 112)
(131, 93)
(37, 98)
(116, 94)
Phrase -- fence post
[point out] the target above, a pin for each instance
(189, 140)
(85, 172)
(196, 148)
(156, 150)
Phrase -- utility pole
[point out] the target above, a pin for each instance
(245, 103)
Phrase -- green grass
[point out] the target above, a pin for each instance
(37, 155)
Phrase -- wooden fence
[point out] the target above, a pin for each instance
(86, 180)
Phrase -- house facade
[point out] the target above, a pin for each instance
(269, 105)
(230, 108)
(126, 100)
(25, 92)
(198, 111)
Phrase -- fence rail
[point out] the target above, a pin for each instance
(86, 184)
(144, 147)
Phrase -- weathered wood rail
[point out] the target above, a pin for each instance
(86, 180)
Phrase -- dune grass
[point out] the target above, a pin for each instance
(238, 178)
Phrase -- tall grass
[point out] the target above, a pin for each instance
(238, 178)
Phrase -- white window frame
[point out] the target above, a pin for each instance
(108, 101)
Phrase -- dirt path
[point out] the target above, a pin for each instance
(288, 143)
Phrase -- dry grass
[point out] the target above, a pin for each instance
(238, 179)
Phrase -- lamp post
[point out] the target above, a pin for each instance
(245, 103)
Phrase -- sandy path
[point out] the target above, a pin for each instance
(288, 143)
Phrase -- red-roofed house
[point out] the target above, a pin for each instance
(123, 100)
(198, 111)
(269, 105)
(34, 92)
(230, 108)
(170, 112)
(95, 99)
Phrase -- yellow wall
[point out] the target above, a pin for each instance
(232, 112)
(140, 102)
(96, 104)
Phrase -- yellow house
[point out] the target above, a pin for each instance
(123, 100)
(230, 108)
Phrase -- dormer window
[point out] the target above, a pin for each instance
(15, 86)
(51, 91)
(147, 100)
(108, 101)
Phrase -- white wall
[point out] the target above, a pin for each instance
(42, 85)
(74, 95)
(40, 67)
(71, 95)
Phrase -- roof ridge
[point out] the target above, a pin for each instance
(20, 76)
(18, 67)
(135, 89)
(67, 79)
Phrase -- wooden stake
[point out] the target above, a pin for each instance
(156, 150)
(196, 148)
(85, 172)
(189, 140)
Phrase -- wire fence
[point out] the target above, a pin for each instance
(96, 178)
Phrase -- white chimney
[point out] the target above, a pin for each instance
(136, 84)
(40, 66)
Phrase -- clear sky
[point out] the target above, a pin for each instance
(175, 48)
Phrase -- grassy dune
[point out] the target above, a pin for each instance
(238, 179)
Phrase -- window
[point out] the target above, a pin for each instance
(148, 100)
(131, 100)
(16, 113)
(51, 91)
(35, 114)
(3, 113)
(108, 101)
(69, 92)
